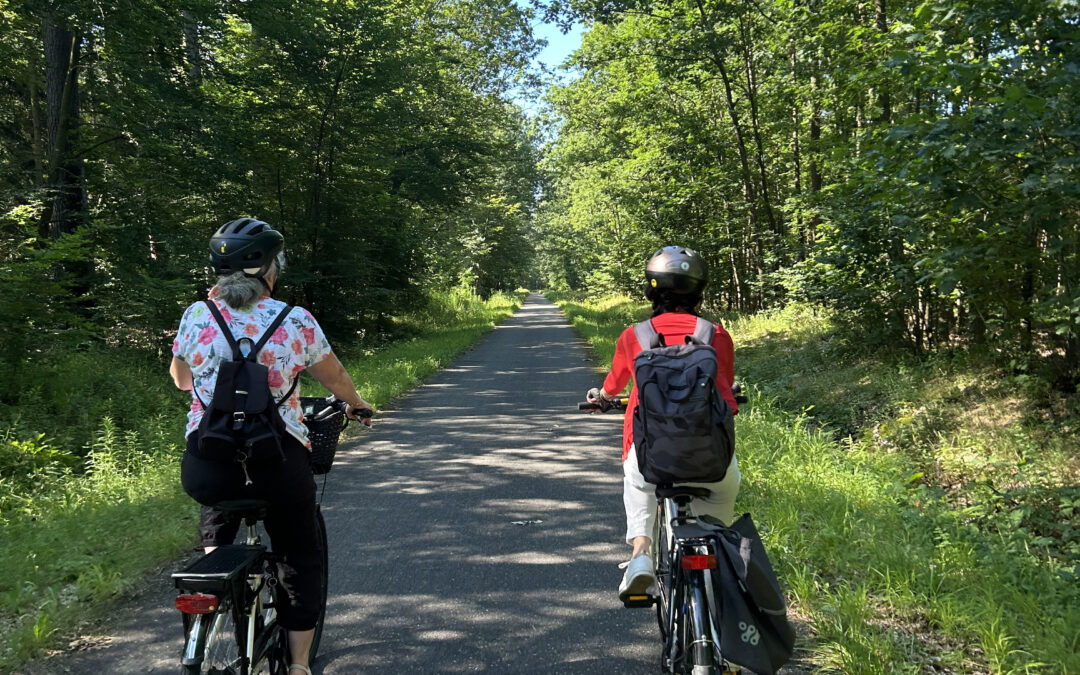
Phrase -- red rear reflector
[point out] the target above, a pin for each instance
(699, 562)
(196, 603)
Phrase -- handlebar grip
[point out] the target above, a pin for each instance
(588, 406)
(365, 413)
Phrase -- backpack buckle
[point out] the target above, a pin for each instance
(238, 419)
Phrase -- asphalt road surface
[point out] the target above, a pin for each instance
(477, 528)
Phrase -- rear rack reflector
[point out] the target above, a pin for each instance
(196, 603)
(699, 562)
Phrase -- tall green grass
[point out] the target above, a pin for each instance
(83, 521)
(891, 572)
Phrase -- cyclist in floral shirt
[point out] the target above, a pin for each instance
(248, 255)
(298, 344)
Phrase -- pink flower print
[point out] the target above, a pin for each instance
(297, 347)
(226, 314)
(267, 358)
(175, 347)
(207, 335)
(309, 335)
(280, 336)
(261, 306)
(251, 330)
(196, 405)
(275, 379)
(297, 369)
(294, 404)
(197, 360)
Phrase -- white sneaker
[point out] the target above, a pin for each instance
(638, 579)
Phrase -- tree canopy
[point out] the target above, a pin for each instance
(379, 137)
(912, 164)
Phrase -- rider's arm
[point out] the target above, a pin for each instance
(725, 367)
(181, 374)
(622, 364)
(332, 375)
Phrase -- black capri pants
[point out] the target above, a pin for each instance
(290, 521)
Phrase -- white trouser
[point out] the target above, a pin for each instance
(639, 498)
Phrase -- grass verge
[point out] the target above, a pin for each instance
(80, 528)
(908, 541)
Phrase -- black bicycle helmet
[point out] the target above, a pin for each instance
(245, 245)
(678, 269)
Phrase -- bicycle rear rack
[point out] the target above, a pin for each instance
(214, 572)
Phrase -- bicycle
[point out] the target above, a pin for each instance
(684, 549)
(228, 597)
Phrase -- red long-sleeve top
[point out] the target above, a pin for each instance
(674, 326)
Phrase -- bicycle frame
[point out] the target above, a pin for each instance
(258, 634)
(691, 641)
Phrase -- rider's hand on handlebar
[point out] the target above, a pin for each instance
(361, 413)
(598, 397)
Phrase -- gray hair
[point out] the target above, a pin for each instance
(239, 290)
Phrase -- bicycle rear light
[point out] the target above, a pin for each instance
(699, 562)
(196, 603)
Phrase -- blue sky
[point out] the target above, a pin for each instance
(559, 46)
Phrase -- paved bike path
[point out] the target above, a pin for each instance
(477, 528)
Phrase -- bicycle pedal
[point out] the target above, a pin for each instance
(636, 601)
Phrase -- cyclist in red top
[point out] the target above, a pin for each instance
(675, 279)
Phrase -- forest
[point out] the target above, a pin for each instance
(910, 169)
(911, 164)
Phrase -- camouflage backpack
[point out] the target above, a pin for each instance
(683, 428)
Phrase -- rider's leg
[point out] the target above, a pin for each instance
(292, 526)
(209, 482)
(299, 646)
(639, 502)
(721, 502)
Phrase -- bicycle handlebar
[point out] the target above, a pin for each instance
(334, 405)
(618, 403)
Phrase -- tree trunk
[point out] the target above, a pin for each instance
(740, 134)
(62, 121)
(36, 131)
(815, 143)
(882, 24)
(191, 48)
(796, 159)
(755, 126)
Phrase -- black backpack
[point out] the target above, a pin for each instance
(683, 428)
(242, 421)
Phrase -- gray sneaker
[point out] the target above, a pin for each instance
(638, 580)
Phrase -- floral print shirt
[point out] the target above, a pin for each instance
(297, 344)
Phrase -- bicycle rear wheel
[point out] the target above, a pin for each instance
(662, 555)
(216, 643)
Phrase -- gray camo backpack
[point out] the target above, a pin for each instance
(683, 428)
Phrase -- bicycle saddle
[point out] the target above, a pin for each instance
(245, 508)
(676, 491)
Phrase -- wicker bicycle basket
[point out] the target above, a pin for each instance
(323, 433)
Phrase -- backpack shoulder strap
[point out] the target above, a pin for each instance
(647, 336)
(703, 334)
(274, 325)
(224, 329)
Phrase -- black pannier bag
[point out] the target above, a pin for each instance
(683, 428)
(747, 602)
(242, 422)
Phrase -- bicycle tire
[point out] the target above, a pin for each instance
(661, 552)
(324, 579)
(220, 649)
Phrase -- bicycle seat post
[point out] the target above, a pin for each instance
(252, 530)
